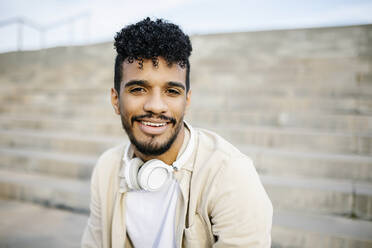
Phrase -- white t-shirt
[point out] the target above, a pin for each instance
(150, 216)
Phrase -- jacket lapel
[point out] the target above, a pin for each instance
(118, 234)
(183, 178)
(118, 222)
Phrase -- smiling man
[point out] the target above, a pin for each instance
(172, 185)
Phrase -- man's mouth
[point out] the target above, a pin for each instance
(153, 124)
(149, 119)
(152, 127)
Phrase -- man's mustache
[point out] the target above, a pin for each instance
(149, 115)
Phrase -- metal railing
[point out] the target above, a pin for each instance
(43, 30)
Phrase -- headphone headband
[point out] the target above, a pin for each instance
(188, 151)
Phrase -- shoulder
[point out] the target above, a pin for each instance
(232, 197)
(220, 152)
(108, 163)
(225, 167)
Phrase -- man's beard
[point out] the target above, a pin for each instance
(151, 148)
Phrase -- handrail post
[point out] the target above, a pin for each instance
(42, 38)
(72, 31)
(88, 27)
(20, 23)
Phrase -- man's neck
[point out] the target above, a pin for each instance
(169, 156)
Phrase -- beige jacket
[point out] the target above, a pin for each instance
(222, 201)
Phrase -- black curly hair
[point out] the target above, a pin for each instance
(149, 39)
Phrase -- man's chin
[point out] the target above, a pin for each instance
(152, 145)
(151, 149)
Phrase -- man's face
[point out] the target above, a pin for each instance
(152, 104)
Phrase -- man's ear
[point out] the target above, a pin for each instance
(115, 101)
(188, 99)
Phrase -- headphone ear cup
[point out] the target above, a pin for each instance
(135, 164)
(154, 174)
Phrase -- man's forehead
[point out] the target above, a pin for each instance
(151, 68)
(155, 62)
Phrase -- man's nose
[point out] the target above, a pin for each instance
(155, 103)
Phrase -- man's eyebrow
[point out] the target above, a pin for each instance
(176, 84)
(135, 82)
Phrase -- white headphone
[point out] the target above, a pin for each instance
(153, 174)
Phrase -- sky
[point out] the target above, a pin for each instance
(100, 20)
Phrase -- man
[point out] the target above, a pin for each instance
(173, 185)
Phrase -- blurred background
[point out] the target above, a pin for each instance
(288, 82)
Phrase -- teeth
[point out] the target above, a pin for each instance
(153, 124)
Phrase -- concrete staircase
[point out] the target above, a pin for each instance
(299, 102)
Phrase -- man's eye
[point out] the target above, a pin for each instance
(173, 92)
(137, 90)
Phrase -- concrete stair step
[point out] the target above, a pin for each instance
(51, 191)
(218, 87)
(290, 229)
(284, 90)
(266, 61)
(58, 141)
(299, 81)
(274, 73)
(320, 196)
(60, 96)
(30, 225)
(311, 104)
(294, 229)
(346, 106)
(286, 163)
(268, 161)
(71, 75)
(100, 111)
(96, 54)
(325, 196)
(50, 163)
(112, 126)
(326, 122)
(85, 126)
(261, 63)
(281, 138)
(310, 43)
(297, 139)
